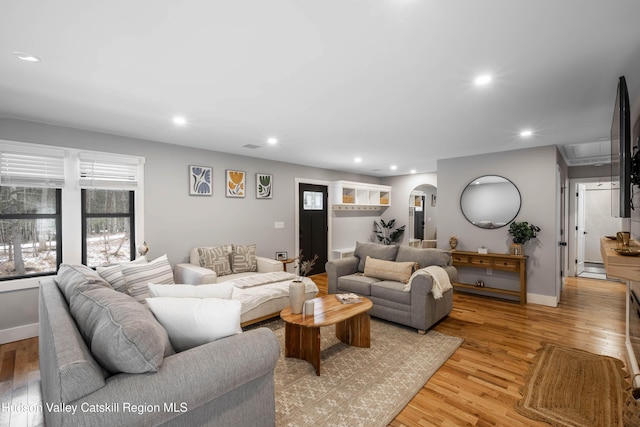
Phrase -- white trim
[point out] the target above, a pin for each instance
(20, 284)
(19, 333)
(548, 300)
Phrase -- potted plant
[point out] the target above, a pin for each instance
(385, 233)
(521, 232)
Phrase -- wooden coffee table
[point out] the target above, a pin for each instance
(302, 333)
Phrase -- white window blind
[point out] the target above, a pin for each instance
(28, 169)
(119, 172)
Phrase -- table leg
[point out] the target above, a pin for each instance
(355, 331)
(303, 343)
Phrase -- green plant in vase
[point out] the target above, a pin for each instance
(385, 233)
(521, 232)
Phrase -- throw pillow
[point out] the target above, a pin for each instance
(123, 336)
(71, 278)
(374, 250)
(156, 271)
(113, 273)
(243, 259)
(191, 322)
(388, 270)
(222, 290)
(216, 259)
(140, 292)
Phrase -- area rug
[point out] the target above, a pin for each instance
(569, 387)
(357, 386)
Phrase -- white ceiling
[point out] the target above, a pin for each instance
(390, 81)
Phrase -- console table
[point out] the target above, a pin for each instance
(504, 262)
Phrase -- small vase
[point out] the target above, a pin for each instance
(516, 249)
(296, 296)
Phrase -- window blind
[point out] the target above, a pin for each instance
(31, 170)
(109, 172)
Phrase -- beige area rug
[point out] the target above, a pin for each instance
(358, 386)
(568, 387)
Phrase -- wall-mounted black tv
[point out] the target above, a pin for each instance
(621, 154)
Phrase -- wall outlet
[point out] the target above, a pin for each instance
(278, 224)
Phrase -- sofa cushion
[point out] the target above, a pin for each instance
(218, 290)
(391, 291)
(389, 270)
(123, 335)
(215, 258)
(191, 322)
(356, 283)
(424, 257)
(374, 250)
(70, 278)
(113, 273)
(243, 259)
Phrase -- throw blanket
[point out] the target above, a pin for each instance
(441, 281)
(262, 279)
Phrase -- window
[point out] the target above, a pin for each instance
(30, 211)
(107, 226)
(108, 206)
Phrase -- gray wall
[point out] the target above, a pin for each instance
(176, 222)
(533, 171)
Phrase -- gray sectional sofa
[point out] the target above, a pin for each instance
(417, 307)
(226, 382)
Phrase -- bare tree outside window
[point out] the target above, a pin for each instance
(107, 222)
(29, 226)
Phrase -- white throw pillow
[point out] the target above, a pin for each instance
(191, 322)
(218, 290)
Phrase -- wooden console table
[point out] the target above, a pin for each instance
(504, 262)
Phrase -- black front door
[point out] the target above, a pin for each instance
(313, 213)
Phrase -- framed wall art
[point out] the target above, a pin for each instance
(235, 183)
(264, 186)
(200, 181)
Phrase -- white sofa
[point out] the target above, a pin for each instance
(259, 302)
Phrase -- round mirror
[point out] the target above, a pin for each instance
(490, 201)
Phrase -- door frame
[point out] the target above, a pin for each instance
(297, 182)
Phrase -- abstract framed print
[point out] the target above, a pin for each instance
(200, 181)
(235, 183)
(264, 186)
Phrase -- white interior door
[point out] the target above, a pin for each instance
(580, 228)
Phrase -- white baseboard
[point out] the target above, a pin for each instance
(18, 333)
(548, 300)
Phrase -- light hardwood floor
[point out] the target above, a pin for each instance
(477, 386)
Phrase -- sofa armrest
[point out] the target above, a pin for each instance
(191, 274)
(189, 379)
(340, 267)
(268, 265)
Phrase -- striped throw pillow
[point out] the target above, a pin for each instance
(157, 271)
(113, 274)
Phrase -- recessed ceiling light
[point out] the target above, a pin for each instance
(358, 160)
(526, 133)
(179, 120)
(482, 80)
(272, 141)
(412, 171)
(393, 167)
(26, 56)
